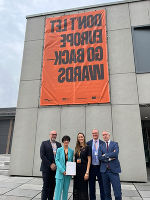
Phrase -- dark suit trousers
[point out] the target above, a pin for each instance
(48, 185)
(114, 179)
(95, 172)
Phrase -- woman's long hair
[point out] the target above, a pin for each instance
(77, 148)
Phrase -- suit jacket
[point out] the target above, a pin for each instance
(90, 143)
(47, 156)
(60, 161)
(113, 151)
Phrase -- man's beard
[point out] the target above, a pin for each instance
(53, 139)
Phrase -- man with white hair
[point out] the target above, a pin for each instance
(48, 167)
(110, 167)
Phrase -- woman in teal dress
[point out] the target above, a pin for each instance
(63, 155)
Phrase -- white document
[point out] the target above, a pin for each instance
(71, 168)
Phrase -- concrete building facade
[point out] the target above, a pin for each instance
(121, 117)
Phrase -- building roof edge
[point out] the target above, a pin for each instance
(82, 8)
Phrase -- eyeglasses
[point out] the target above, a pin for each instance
(54, 134)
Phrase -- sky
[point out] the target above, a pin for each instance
(12, 32)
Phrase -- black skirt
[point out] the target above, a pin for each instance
(80, 186)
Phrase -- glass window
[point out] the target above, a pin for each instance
(141, 47)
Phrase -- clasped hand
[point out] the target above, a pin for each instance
(110, 158)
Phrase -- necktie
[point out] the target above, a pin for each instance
(96, 145)
(108, 166)
(94, 151)
(107, 146)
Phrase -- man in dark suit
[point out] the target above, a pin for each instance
(48, 167)
(110, 167)
(95, 166)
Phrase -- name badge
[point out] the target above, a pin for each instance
(96, 154)
(79, 160)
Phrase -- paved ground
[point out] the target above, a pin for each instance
(25, 188)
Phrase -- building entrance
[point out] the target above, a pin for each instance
(7, 119)
(146, 140)
(6, 134)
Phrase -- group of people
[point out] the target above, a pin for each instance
(95, 159)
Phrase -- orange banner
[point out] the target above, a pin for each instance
(75, 68)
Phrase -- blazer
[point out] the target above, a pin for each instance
(47, 156)
(60, 161)
(90, 143)
(113, 151)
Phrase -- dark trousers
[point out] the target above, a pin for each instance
(114, 179)
(48, 185)
(95, 172)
